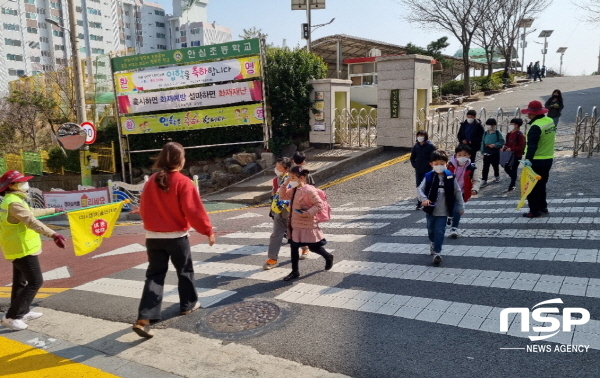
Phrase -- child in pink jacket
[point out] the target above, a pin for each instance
(303, 228)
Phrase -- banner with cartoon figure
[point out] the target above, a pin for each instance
(89, 227)
(194, 120)
(528, 180)
(194, 74)
(70, 200)
(213, 95)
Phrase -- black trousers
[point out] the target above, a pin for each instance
(159, 252)
(537, 197)
(27, 280)
(494, 160)
(313, 247)
(511, 170)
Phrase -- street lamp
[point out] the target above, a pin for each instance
(84, 154)
(561, 51)
(308, 5)
(320, 25)
(545, 34)
(524, 23)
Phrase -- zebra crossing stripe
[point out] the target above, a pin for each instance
(342, 238)
(513, 233)
(257, 250)
(545, 283)
(493, 252)
(513, 211)
(252, 272)
(338, 225)
(133, 289)
(459, 314)
(523, 220)
(368, 216)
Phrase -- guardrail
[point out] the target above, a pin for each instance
(356, 128)
(587, 132)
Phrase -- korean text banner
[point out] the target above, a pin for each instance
(187, 55)
(194, 120)
(71, 200)
(213, 95)
(164, 78)
(528, 180)
(90, 226)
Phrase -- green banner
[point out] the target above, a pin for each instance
(187, 55)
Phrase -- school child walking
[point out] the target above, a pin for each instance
(299, 159)
(515, 142)
(492, 142)
(21, 244)
(303, 228)
(439, 193)
(279, 212)
(419, 158)
(465, 178)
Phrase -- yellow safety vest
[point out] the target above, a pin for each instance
(16, 240)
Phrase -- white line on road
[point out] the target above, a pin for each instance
(252, 272)
(132, 248)
(509, 233)
(342, 238)
(257, 250)
(338, 225)
(523, 220)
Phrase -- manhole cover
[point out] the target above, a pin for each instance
(243, 316)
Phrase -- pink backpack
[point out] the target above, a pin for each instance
(325, 214)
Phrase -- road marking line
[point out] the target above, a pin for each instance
(513, 233)
(132, 248)
(255, 250)
(494, 252)
(338, 225)
(343, 238)
(57, 274)
(577, 286)
(458, 314)
(252, 272)
(246, 215)
(133, 289)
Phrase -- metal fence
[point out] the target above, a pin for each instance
(587, 132)
(355, 128)
(443, 126)
(106, 158)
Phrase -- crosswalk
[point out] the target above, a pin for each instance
(387, 247)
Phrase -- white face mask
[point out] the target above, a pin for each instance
(294, 184)
(278, 172)
(487, 127)
(23, 187)
(470, 120)
(439, 168)
(511, 127)
(420, 139)
(462, 160)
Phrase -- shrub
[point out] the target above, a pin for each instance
(454, 87)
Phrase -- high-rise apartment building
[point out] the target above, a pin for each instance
(29, 45)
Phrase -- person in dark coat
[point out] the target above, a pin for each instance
(420, 156)
(471, 133)
(530, 71)
(555, 106)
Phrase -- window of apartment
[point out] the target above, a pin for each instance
(97, 25)
(12, 42)
(11, 27)
(176, 40)
(58, 33)
(127, 13)
(96, 37)
(195, 43)
(184, 44)
(94, 11)
(159, 12)
(79, 22)
(183, 32)
(82, 49)
(195, 31)
(80, 36)
(44, 39)
(78, 9)
(95, 1)
(160, 24)
(34, 45)
(161, 47)
(100, 76)
(29, 1)
(61, 61)
(42, 25)
(36, 59)
(13, 72)
(97, 51)
(59, 47)
(55, 5)
(41, 11)
(161, 35)
(128, 38)
(45, 53)
(31, 15)
(10, 11)
(128, 25)
(18, 58)
(32, 30)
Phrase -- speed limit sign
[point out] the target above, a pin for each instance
(90, 131)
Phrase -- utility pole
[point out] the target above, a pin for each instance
(545, 34)
(308, 40)
(561, 51)
(524, 23)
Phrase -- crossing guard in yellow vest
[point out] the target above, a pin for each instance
(21, 243)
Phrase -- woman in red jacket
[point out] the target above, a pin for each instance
(170, 205)
(515, 141)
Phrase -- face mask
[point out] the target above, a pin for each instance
(420, 139)
(470, 120)
(23, 187)
(278, 172)
(554, 95)
(293, 184)
(511, 127)
(487, 127)
(439, 168)
(462, 160)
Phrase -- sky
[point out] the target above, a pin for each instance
(382, 20)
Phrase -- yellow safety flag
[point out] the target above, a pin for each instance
(528, 180)
(90, 226)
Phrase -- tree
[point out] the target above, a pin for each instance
(462, 18)
(433, 49)
(486, 36)
(591, 10)
(253, 32)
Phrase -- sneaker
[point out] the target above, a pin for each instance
(454, 232)
(511, 188)
(532, 215)
(545, 211)
(291, 276)
(431, 251)
(32, 315)
(437, 259)
(304, 254)
(497, 179)
(14, 324)
(483, 183)
(419, 206)
(270, 264)
(329, 263)
(196, 306)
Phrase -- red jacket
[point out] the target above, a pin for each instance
(516, 142)
(175, 210)
(467, 184)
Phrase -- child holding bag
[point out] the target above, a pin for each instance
(492, 142)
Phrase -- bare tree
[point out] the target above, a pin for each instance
(486, 36)
(591, 9)
(509, 17)
(462, 18)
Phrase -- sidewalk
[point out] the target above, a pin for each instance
(61, 344)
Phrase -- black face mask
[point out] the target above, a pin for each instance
(555, 95)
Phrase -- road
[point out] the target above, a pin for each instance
(383, 310)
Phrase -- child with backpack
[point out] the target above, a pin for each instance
(492, 142)
(299, 159)
(308, 207)
(419, 158)
(439, 195)
(279, 212)
(464, 176)
(515, 142)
